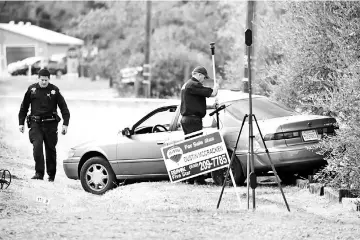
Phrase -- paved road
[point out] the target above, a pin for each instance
(70, 87)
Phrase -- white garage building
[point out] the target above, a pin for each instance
(23, 40)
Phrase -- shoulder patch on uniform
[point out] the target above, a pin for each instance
(33, 90)
(53, 91)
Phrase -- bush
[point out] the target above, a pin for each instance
(342, 154)
(342, 151)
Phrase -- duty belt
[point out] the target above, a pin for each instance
(42, 119)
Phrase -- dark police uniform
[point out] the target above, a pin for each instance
(193, 105)
(43, 123)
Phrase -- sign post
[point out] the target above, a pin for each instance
(72, 62)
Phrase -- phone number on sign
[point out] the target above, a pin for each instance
(211, 163)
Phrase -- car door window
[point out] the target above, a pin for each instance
(37, 64)
(162, 117)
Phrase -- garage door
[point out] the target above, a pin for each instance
(14, 54)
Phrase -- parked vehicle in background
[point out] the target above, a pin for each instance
(129, 75)
(22, 67)
(55, 64)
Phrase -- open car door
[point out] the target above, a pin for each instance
(143, 155)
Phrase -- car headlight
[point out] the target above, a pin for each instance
(71, 153)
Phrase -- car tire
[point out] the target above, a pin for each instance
(218, 176)
(97, 176)
(287, 178)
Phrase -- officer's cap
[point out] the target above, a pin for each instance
(44, 72)
(201, 70)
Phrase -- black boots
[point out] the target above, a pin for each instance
(38, 176)
(51, 178)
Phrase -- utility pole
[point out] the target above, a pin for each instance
(3, 67)
(250, 51)
(147, 65)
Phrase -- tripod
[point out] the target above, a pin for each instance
(252, 175)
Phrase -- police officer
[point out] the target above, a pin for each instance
(193, 103)
(43, 120)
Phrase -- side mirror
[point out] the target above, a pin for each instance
(126, 132)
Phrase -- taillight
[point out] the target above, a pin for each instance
(296, 134)
(281, 136)
(327, 131)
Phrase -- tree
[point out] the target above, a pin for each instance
(181, 33)
(232, 36)
(52, 15)
(316, 43)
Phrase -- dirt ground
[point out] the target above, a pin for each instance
(146, 210)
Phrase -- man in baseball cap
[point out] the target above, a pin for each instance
(193, 104)
(202, 71)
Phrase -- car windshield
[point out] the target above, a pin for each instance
(263, 108)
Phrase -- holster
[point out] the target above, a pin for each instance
(28, 121)
(58, 119)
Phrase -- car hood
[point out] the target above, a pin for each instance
(103, 141)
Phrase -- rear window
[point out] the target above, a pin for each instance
(263, 108)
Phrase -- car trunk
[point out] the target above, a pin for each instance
(308, 131)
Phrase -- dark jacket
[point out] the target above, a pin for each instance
(193, 98)
(44, 102)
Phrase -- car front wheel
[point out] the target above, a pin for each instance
(218, 176)
(97, 176)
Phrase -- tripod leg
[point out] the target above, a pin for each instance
(234, 183)
(247, 176)
(231, 161)
(272, 165)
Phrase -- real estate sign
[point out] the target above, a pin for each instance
(196, 156)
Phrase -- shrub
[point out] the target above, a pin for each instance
(342, 151)
(318, 72)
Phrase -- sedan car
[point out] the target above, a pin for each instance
(134, 153)
(55, 67)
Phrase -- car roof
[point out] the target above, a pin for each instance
(31, 60)
(227, 95)
(224, 95)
